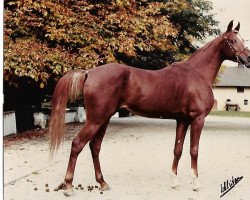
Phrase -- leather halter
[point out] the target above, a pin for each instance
(236, 53)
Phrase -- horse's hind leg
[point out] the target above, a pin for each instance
(89, 130)
(181, 130)
(95, 147)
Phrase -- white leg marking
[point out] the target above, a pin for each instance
(175, 182)
(69, 192)
(195, 182)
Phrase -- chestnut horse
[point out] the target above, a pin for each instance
(181, 91)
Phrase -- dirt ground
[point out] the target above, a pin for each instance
(136, 159)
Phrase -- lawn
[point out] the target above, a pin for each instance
(230, 113)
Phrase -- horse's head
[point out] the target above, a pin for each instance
(233, 46)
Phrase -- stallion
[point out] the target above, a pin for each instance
(181, 91)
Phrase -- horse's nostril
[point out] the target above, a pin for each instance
(248, 59)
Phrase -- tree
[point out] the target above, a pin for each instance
(44, 39)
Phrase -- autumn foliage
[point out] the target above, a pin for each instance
(44, 39)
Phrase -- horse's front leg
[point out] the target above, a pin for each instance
(181, 130)
(196, 128)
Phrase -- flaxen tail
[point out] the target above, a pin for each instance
(68, 88)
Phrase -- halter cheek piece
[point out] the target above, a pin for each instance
(234, 51)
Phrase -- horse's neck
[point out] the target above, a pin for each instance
(207, 60)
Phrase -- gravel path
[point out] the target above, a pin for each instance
(136, 159)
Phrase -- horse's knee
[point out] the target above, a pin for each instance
(178, 152)
(194, 152)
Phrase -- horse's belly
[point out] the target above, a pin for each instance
(154, 112)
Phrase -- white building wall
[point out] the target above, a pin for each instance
(221, 94)
(41, 119)
(9, 123)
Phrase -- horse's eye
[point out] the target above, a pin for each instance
(233, 41)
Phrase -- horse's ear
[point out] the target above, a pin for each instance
(230, 26)
(237, 28)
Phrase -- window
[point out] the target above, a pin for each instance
(240, 89)
(245, 102)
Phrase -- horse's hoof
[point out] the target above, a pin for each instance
(69, 192)
(196, 185)
(175, 187)
(104, 187)
(175, 183)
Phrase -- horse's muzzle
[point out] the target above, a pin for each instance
(247, 64)
(245, 60)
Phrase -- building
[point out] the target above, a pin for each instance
(233, 89)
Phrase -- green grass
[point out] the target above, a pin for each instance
(230, 114)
